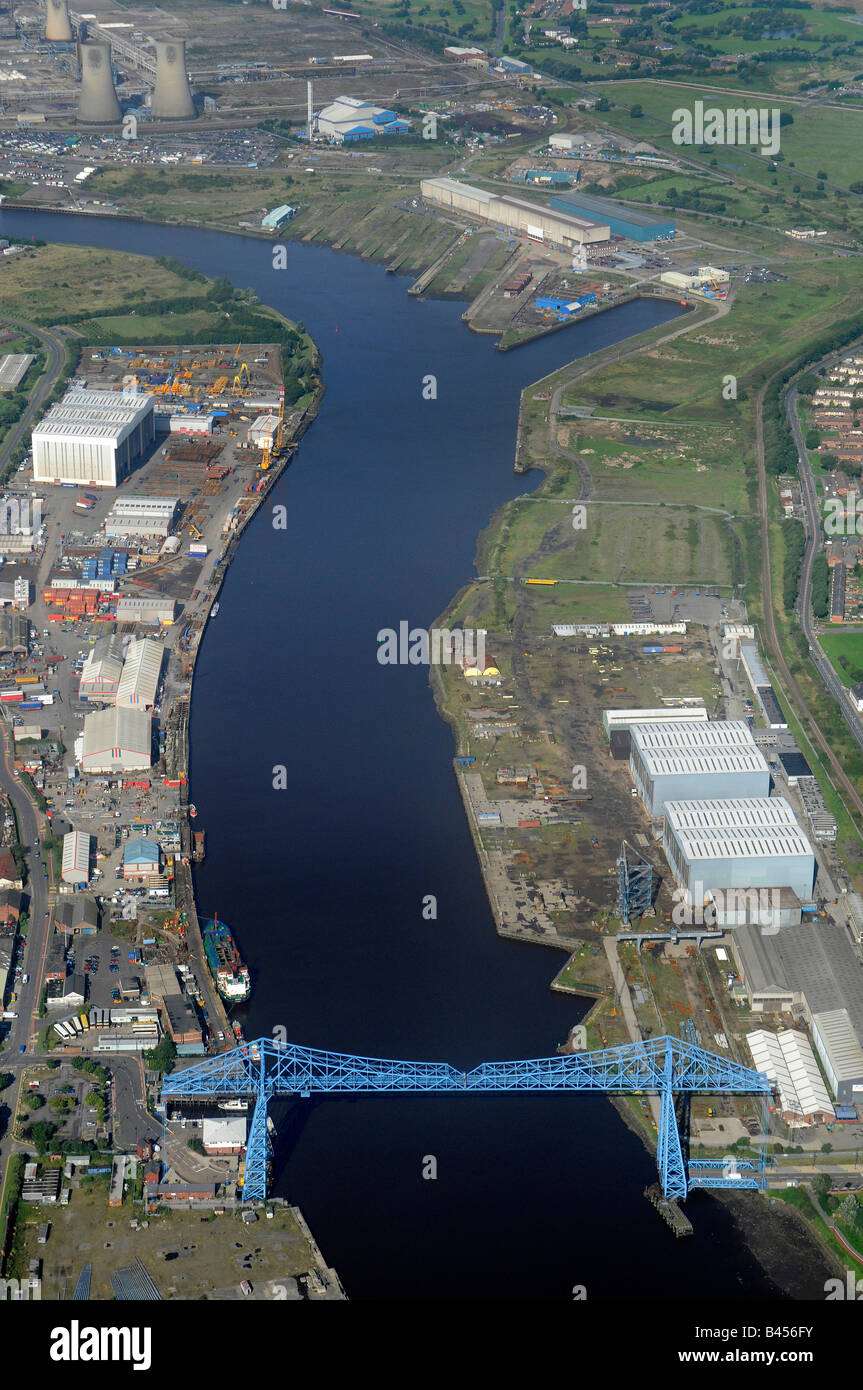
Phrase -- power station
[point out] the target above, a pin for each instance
(58, 25)
(97, 101)
(172, 95)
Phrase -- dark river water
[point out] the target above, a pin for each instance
(324, 882)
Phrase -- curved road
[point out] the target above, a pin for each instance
(55, 346)
(809, 495)
(793, 689)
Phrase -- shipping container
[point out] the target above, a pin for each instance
(525, 823)
(651, 650)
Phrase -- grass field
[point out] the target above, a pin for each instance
(622, 544)
(845, 647)
(43, 284)
(821, 139)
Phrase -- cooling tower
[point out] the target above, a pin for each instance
(98, 102)
(172, 96)
(58, 26)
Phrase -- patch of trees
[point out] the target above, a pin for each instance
(820, 586)
(795, 543)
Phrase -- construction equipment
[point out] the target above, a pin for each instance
(193, 531)
(242, 374)
(280, 426)
(219, 385)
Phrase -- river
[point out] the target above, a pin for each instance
(324, 882)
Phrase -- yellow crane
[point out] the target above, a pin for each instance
(281, 424)
(242, 375)
(268, 452)
(193, 531)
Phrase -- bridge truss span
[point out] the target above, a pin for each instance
(266, 1070)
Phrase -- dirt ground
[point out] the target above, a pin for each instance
(782, 1244)
(188, 1254)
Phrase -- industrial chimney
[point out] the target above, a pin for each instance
(58, 26)
(97, 103)
(172, 96)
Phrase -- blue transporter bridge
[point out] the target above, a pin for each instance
(671, 1068)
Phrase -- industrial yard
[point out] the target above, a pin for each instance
(616, 776)
(185, 1254)
(137, 483)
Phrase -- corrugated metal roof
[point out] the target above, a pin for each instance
(840, 1043)
(788, 1059)
(121, 731)
(736, 828)
(669, 762)
(94, 415)
(703, 733)
(141, 670)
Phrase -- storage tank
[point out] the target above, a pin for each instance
(58, 26)
(97, 101)
(172, 96)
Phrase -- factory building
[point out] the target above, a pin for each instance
(116, 740)
(76, 858)
(840, 1052)
(271, 221)
(142, 668)
(350, 119)
(224, 1135)
(146, 609)
(92, 437)
(13, 369)
(262, 431)
(614, 719)
(677, 761)
(622, 221)
(142, 516)
(759, 681)
(739, 907)
(182, 1023)
(141, 859)
(787, 1059)
(745, 842)
(77, 913)
(14, 631)
(101, 672)
(518, 215)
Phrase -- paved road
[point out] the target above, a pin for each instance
(55, 346)
(30, 822)
(809, 496)
(795, 694)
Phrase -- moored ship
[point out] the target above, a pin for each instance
(228, 969)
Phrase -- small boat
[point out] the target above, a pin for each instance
(214, 610)
(193, 810)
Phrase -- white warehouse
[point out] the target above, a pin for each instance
(534, 220)
(679, 761)
(116, 740)
(141, 516)
(92, 438)
(788, 1059)
(623, 719)
(744, 842)
(841, 1055)
(142, 668)
(76, 858)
